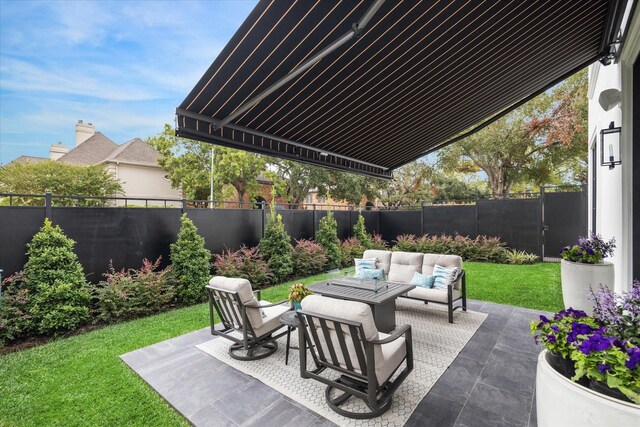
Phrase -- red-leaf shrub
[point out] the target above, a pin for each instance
(309, 258)
(482, 248)
(349, 250)
(246, 263)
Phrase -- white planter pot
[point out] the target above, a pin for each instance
(561, 402)
(578, 278)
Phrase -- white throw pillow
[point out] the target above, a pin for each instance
(444, 276)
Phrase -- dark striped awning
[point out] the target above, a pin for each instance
(368, 86)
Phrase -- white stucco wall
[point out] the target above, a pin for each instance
(144, 182)
(614, 187)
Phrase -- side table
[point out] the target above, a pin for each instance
(291, 321)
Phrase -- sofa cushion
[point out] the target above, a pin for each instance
(243, 288)
(449, 261)
(422, 280)
(403, 265)
(444, 276)
(383, 258)
(393, 354)
(433, 294)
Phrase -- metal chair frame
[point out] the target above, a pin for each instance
(363, 384)
(233, 316)
(463, 296)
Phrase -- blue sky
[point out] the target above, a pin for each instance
(123, 66)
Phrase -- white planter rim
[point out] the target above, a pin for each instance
(599, 264)
(542, 362)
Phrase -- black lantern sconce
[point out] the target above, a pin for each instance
(610, 146)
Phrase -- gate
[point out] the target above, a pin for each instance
(564, 218)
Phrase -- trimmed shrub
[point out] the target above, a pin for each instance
(59, 295)
(127, 294)
(275, 247)
(309, 258)
(482, 248)
(190, 264)
(378, 243)
(15, 320)
(360, 233)
(350, 249)
(327, 236)
(246, 263)
(513, 256)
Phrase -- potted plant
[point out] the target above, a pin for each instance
(583, 267)
(606, 357)
(297, 293)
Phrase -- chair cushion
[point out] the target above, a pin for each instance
(389, 358)
(243, 288)
(403, 265)
(433, 294)
(342, 309)
(364, 264)
(383, 258)
(271, 321)
(444, 276)
(376, 273)
(422, 280)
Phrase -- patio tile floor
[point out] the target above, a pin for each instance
(491, 382)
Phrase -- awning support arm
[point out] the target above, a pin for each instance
(355, 32)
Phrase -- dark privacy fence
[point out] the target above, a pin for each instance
(127, 235)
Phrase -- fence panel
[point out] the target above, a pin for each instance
(18, 224)
(227, 228)
(123, 235)
(565, 219)
(298, 223)
(453, 219)
(394, 223)
(515, 221)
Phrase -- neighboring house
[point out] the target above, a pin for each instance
(614, 194)
(134, 163)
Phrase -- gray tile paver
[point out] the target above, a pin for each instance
(491, 382)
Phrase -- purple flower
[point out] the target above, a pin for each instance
(595, 342)
(603, 368)
(555, 328)
(578, 329)
(551, 338)
(634, 358)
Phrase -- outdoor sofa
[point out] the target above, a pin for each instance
(401, 267)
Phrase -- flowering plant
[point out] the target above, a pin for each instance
(610, 360)
(620, 313)
(560, 333)
(297, 292)
(589, 250)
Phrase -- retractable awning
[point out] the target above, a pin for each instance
(367, 86)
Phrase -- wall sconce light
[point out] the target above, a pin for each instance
(610, 146)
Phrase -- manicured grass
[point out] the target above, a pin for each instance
(81, 380)
(534, 286)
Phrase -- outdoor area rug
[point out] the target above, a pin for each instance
(436, 343)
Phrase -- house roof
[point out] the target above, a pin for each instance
(29, 159)
(100, 149)
(135, 151)
(94, 150)
(370, 86)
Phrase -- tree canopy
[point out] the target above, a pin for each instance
(59, 179)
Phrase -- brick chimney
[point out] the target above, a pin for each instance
(84, 132)
(57, 150)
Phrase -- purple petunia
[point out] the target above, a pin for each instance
(578, 329)
(603, 368)
(634, 358)
(551, 338)
(596, 342)
(555, 328)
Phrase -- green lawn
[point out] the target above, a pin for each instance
(81, 380)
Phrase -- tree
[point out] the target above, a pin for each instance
(351, 187)
(327, 236)
(188, 163)
(59, 294)
(541, 142)
(60, 179)
(275, 246)
(360, 232)
(294, 180)
(411, 185)
(190, 263)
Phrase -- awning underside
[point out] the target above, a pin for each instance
(420, 74)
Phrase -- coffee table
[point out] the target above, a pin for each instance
(379, 295)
